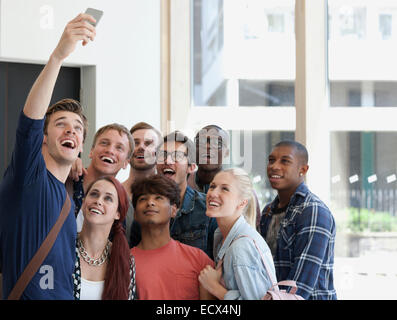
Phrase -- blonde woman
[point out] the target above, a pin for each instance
(240, 273)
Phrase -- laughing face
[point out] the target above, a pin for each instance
(223, 197)
(64, 138)
(110, 153)
(101, 203)
(285, 169)
(174, 163)
(144, 156)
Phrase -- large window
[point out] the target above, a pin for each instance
(327, 70)
(232, 61)
(363, 74)
(362, 51)
(250, 150)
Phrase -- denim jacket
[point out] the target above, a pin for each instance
(190, 226)
(244, 275)
(305, 244)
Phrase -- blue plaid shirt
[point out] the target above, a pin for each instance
(305, 244)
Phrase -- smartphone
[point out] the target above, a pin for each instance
(97, 14)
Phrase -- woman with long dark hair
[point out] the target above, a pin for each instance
(104, 270)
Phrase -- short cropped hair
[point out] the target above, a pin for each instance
(145, 126)
(300, 148)
(70, 105)
(156, 184)
(178, 136)
(120, 129)
(223, 134)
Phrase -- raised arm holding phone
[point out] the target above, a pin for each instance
(32, 192)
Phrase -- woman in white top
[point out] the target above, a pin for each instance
(240, 272)
(104, 270)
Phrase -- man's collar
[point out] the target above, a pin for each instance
(188, 202)
(301, 191)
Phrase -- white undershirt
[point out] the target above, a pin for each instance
(91, 290)
(79, 221)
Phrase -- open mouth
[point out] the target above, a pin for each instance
(96, 211)
(213, 204)
(107, 159)
(274, 178)
(140, 157)
(68, 143)
(168, 172)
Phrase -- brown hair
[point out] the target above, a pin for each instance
(145, 126)
(70, 105)
(120, 129)
(178, 136)
(156, 184)
(117, 277)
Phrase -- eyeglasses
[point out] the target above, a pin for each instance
(214, 142)
(175, 155)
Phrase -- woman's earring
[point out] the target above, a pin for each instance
(301, 174)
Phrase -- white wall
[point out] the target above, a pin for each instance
(126, 53)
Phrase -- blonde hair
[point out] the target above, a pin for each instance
(245, 187)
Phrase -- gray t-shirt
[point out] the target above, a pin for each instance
(274, 228)
(128, 221)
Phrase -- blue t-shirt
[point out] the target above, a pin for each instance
(31, 199)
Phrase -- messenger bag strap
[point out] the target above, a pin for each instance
(41, 254)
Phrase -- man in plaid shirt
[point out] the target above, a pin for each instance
(298, 226)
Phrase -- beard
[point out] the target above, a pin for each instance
(142, 166)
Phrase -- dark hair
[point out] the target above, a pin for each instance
(178, 136)
(70, 105)
(224, 134)
(120, 129)
(156, 184)
(145, 126)
(300, 148)
(117, 278)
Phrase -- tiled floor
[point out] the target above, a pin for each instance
(371, 277)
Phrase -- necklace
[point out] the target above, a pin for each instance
(88, 259)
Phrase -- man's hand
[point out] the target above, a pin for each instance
(77, 170)
(40, 95)
(76, 30)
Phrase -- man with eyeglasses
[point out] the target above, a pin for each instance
(191, 226)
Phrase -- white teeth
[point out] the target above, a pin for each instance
(107, 159)
(276, 176)
(68, 143)
(96, 211)
(212, 203)
(168, 171)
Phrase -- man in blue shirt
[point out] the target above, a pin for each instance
(191, 226)
(298, 226)
(212, 148)
(32, 191)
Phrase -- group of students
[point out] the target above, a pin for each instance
(180, 227)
